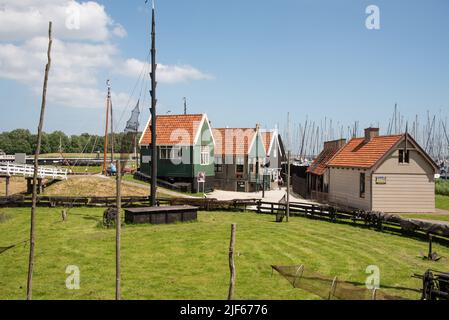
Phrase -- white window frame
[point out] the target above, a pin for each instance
(171, 152)
(204, 155)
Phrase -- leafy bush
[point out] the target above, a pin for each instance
(442, 187)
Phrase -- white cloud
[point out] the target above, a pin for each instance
(24, 19)
(165, 73)
(73, 74)
(80, 57)
(119, 31)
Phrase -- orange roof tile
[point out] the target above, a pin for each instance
(233, 141)
(359, 154)
(319, 165)
(173, 129)
(266, 138)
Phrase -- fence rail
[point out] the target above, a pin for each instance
(7, 157)
(11, 169)
(377, 220)
(20, 200)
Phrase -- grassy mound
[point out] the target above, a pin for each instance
(92, 186)
(16, 185)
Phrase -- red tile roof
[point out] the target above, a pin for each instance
(319, 165)
(266, 138)
(233, 141)
(173, 129)
(359, 154)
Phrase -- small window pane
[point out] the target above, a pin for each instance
(362, 185)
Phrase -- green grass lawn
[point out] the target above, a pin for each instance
(438, 217)
(442, 202)
(190, 260)
(442, 187)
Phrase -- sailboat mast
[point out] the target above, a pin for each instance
(153, 111)
(106, 131)
(112, 125)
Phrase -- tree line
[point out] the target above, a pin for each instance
(23, 141)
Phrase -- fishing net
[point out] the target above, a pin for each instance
(132, 125)
(329, 288)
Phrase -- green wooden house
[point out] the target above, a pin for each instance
(185, 150)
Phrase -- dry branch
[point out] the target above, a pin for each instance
(36, 158)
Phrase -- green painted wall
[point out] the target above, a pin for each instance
(258, 145)
(204, 140)
(190, 164)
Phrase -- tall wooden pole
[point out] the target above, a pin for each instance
(231, 263)
(288, 185)
(118, 231)
(135, 150)
(112, 127)
(36, 168)
(257, 157)
(106, 131)
(153, 112)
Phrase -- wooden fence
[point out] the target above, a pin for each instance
(58, 201)
(378, 220)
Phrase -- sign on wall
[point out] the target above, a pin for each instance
(381, 180)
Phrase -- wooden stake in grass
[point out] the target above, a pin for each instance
(118, 232)
(231, 263)
(36, 167)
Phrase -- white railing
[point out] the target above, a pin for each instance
(11, 169)
(7, 157)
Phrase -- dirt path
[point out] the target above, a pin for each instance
(437, 212)
(270, 196)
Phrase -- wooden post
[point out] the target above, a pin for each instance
(153, 190)
(39, 186)
(7, 187)
(118, 232)
(112, 124)
(29, 185)
(36, 160)
(231, 263)
(288, 185)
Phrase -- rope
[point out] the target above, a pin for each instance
(141, 79)
(3, 249)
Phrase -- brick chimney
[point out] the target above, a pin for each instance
(371, 133)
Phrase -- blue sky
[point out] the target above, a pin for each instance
(255, 61)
